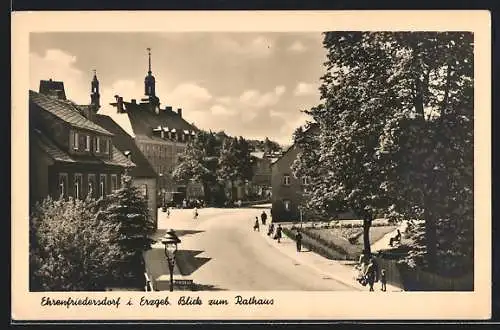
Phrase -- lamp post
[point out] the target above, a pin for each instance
(300, 212)
(170, 241)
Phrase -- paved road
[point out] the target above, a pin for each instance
(220, 251)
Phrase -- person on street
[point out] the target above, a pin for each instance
(263, 217)
(278, 233)
(195, 213)
(298, 240)
(270, 230)
(383, 280)
(256, 225)
(168, 212)
(370, 274)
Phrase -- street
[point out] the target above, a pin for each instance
(220, 251)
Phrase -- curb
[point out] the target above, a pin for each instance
(335, 277)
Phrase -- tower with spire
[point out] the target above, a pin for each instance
(95, 97)
(149, 81)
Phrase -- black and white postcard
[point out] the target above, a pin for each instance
(251, 165)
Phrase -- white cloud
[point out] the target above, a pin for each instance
(190, 91)
(188, 96)
(58, 65)
(220, 110)
(279, 90)
(305, 89)
(256, 99)
(224, 100)
(258, 47)
(297, 47)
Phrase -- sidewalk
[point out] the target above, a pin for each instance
(342, 271)
(383, 243)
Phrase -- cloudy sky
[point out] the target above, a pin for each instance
(249, 84)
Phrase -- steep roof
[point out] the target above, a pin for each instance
(125, 142)
(312, 128)
(143, 120)
(65, 110)
(54, 152)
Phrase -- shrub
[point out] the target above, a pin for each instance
(71, 248)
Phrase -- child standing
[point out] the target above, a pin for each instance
(383, 280)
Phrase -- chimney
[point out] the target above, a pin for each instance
(179, 112)
(119, 104)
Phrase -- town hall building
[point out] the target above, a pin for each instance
(161, 134)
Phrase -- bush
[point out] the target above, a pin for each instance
(89, 245)
(71, 248)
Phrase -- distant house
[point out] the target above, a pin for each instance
(143, 175)
(262, 174)
(287, 190)
(69, 154)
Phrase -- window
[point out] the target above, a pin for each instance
(114, 182)
(87, 143)
(98, 144)
(106, 146)
(78, 186)
(91, 184)
(102, 185)
(75, 140)
(305, 180)
(144, 190)
(286, 180)
(287, 205)
(63, 184)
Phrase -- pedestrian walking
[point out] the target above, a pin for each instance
(256, 225)
(278, 233)
(168, 212)
(383, 280)
(263, 217)
(195, 213)
(298, 240)
(370, 274)
(270, 230)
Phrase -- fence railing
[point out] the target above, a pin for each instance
(419, 280)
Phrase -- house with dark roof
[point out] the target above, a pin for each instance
(143, 175)
(70, 155)
(161, 134)
(287, 189)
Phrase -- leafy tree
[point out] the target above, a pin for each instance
(199, 162)
(71, 248)
(228, 169)
(127, 209)
(243, 154)
(270, 146)
(396, 136)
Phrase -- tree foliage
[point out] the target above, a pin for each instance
(127, 208)
(71, 248)
(395, 136)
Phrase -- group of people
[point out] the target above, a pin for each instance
(275, 233)
(367, 272)
(195, 212)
